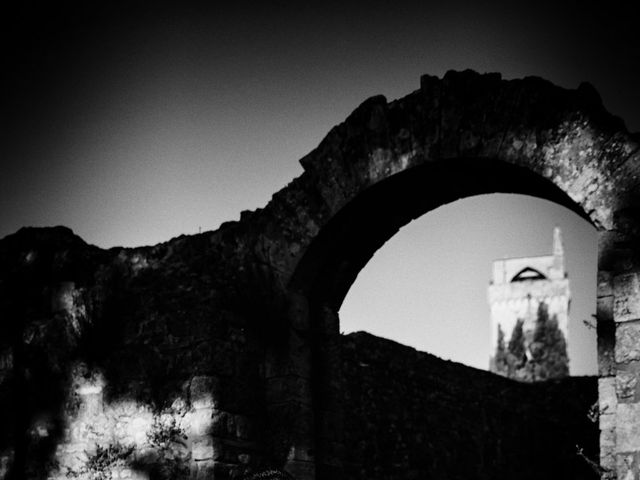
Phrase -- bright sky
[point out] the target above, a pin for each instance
(133, 126)
(427, 286)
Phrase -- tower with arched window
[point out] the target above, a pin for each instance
(518, 286)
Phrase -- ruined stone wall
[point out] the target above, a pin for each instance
(412, 415)
(249, 313)
(619, 309)
(113, 367)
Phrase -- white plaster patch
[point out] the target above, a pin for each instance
(87, 383)
(205, 400)
(198, 422)
(132, 428)
(89, 389)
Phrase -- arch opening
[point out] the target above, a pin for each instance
(349, 240)
(437, 283)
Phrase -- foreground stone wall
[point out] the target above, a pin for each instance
(412, 415)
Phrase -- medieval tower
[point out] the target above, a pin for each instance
(520, 292)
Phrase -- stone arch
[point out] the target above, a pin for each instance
(390, 162)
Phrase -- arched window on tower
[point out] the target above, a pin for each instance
(528, 273)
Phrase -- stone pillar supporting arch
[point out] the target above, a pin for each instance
(619, 347)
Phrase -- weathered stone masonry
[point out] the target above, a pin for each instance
(239, 327)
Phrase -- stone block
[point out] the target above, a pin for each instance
(200, 421)
(628, 427)
(607, 396)
(627, 342)
(626, 303)
(206, 401)
(626, 383)
(204, 448)
(627, 466)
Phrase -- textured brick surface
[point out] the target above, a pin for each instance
(627, 342)
(626, 385)
(628, 427)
